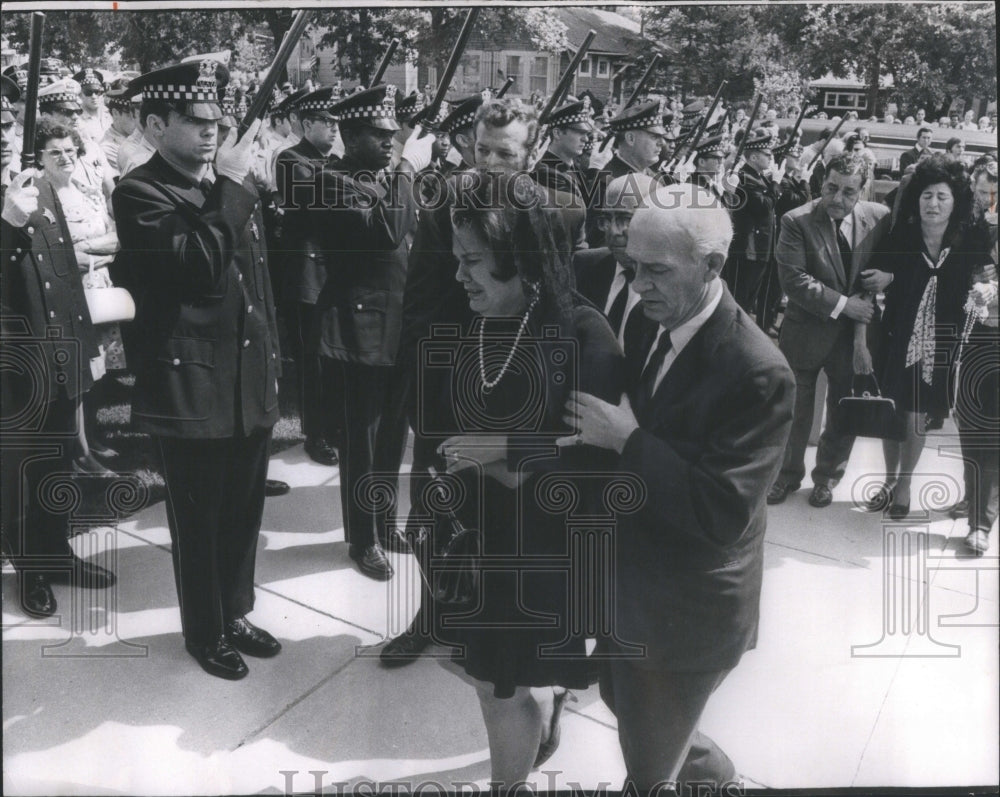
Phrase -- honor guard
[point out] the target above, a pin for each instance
(459, 127)
(206, 386)
(123, 106)
(95, 119)
(570, 127)
(709, 159)
(19, 76)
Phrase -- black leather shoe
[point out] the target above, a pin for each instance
(372, 561)
(779, 492)
(960, 510)
(220, 659)
(549, 745)
(84, 574)
(273, 487)
(404, 649)
(87, 465)
(248, 638)
(820, 496)
(37, 599)
(899, 511)
(321, 451)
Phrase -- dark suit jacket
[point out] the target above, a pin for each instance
(46, 323)
(911, 156)
(710, 443)
(753, 218)
(303, 257)
(814, 279)
(595, 271)
(208, 365)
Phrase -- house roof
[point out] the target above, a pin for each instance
(828, 81)
(616, 34)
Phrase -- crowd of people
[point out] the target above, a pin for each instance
(542, 304)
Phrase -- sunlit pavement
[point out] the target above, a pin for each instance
(877, 664)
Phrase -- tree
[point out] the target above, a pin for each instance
(79, 38)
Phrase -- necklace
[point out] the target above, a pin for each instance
(489, 384)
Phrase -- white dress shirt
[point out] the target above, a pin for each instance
(846, 227)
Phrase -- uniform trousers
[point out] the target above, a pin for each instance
(834, 446)
(318, 391)
(36, 469)
(393, 428)
(215, 501)
(658, 712)
(744, 277)
(360, 408)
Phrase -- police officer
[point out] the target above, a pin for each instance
(364, 218)
(304, 263)
(637, 133)
(124, 110)
(570, 127)
(709, 158)
(95, 119)
(207, 374)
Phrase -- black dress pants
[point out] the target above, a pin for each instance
(318, 390)
(215, 500)
(977, 410)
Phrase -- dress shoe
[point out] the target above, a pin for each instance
(87, 465)
(220, 659)
(83, 574)
(820, 496)
(960, 510)
(404, 649)
(273, 487)
(899, 511)
(321, 451)
(37, 599)
(248, 638)
(779, 492)
(551, 742)
(372, 561)
(978, 541)
(881, 501)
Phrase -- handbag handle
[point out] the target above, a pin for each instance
(866, 393)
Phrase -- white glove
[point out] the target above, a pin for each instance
(777, 172)
(20, 199)
(417, 149)
(730, 182)
(234, 157)
(685, 168)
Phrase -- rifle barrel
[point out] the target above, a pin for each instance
(562, 87)
(384, 63)
(641, 85)
(31, 93)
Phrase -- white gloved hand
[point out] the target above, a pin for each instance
(778, 172)
(730, 182)
(417, 149)
(20, 199)
(234, 157)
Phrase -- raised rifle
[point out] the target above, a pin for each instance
(31, 91)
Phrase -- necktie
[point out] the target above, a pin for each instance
(617, 313)
(844, 247)
(206, 186)
(647, 382)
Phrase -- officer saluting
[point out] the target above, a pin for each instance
(206, 385)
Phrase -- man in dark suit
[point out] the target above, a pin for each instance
(207, 371)
(705, 420)
(363, 223)
(305, 267)
(823, 253)
(925, 136)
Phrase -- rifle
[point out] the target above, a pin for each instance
(833, 135)
(795, 128)
(641, 85)
(503, 89)
(384, 63)
(692, 143)
(746, 133)
(31, 92)
(263, 96)
(562, 87)
(430, 112)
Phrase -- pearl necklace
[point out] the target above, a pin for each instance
(489, 384)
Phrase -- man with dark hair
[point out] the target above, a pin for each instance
(923, 146)
(95, 119)
(363, 219)
(207, 370)
(823, 252)
(570, 127)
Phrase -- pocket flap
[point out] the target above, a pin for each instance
(364, 300)
(187, 351)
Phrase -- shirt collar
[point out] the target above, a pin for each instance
(680, 337)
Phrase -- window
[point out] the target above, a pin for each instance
(585, 67)
(851, 102)
(539, 78)
(514, 71)
(470, 71)
(603, 67)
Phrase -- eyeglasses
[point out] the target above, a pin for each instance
(69, 112)
(92, 92)
(60, 153)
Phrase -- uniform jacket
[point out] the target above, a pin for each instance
(753, 219)
(706, 182)
(814, 278)
(304, 259)
(363, 235)
(554, 173)
(710, 443)
(794, 194)
(208, 365)
(46, 323)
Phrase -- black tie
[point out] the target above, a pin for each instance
(843, 246)
(647, 382)
(617, 312)
(206, 186)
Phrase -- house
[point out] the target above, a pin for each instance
(836, 95)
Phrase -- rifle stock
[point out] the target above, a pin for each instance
(31, 91)
(641, 85)
(753, 118)
(833, 135)
(384, 63)
(430, 112)
(562, 87)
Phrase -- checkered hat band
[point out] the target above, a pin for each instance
(65, 96)
(183, 93)
(122, 103)
(459, 122)
(762, 144)
(634, 124)
(577, 117)
(369, 112)
(314, 105)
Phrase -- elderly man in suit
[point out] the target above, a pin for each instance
(704, 423)
(823, 252)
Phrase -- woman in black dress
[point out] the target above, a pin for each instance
(933, 252)
(532, 341)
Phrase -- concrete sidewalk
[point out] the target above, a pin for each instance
(877, 664)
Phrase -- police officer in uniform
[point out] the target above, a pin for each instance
(570, 127)
(95, 119)
(123, 120)
(304, 263)
(207, 373)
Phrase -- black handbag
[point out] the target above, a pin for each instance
(870, 414)
(455, 572)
